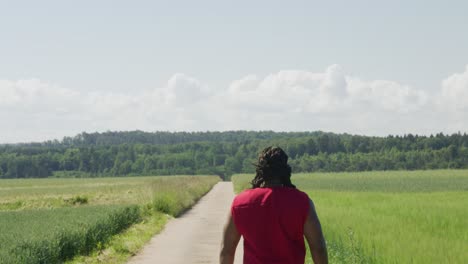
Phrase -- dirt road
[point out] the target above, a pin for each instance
(194, 237)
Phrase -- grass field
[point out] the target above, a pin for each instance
(390, 217)
(53, 220)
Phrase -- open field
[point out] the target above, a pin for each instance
(51, 220)
(53, 193)
(390, 217)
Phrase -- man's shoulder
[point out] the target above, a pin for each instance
(245, 194)
(260, 194)
(248, 196)
(302, 193)
(298, 194)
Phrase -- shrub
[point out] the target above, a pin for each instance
(77, 200)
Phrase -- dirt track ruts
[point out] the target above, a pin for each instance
(195, 237)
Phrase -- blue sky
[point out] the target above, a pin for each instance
(144, 58)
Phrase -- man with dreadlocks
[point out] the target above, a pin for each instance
(273, 217)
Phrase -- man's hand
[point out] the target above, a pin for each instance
(314, 236)
(231, 238)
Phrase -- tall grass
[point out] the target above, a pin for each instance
(390, 217)
(174, 196)
(52, 236)
(85, 212)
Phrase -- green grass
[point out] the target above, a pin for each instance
(390, 217)
(52, 193)
(50, 236)
(128, 243)
(53, 220)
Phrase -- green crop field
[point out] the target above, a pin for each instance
(53, 220)
(389, 217)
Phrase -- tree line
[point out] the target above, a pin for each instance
(225, 153)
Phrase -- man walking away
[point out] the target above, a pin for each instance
(273, 217)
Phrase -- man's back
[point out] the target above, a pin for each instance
(271, 220)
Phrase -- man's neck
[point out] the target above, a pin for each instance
(273, 184)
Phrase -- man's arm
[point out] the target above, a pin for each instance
(231, 238)
(314, 236)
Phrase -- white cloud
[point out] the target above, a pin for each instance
(286, 100)
(386, 95)
(34, 94)
(329, 100)
(454, 93)
(331, 91)
(282, 92)
(182, 90)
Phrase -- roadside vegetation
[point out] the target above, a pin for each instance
(54, 220)
(389, 217)
(127, 243)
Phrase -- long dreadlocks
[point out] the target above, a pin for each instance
(272, 165)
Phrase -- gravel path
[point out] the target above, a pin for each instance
(195, 237)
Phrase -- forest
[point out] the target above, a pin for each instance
(225, 153)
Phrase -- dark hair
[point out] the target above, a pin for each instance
(272, 165)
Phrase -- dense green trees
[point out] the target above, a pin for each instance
(225, 153)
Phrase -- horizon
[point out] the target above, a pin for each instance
(227, 131)
(364, 68)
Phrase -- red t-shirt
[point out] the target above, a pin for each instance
(271, 220)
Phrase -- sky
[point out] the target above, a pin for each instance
(359, 67)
